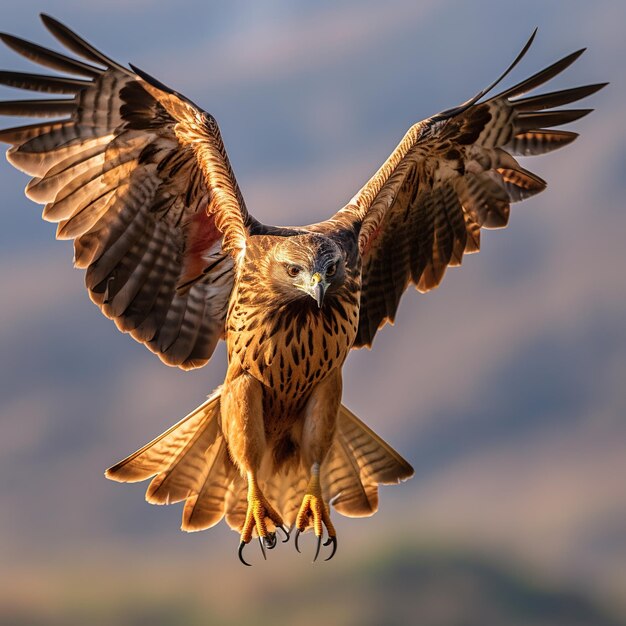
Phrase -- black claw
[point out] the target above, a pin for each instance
(262, 549)
(332, 540)
(242, 545)
(286, 533)
(270, 541)
(317, 550)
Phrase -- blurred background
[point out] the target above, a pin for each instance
(505, 388)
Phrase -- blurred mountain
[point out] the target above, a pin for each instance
(397, 588)
(436, 589)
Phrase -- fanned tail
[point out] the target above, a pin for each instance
(190, 462)
(358, 462)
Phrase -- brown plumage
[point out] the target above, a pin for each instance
(138, 177)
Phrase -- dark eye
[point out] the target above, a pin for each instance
(293, 270)
(331, 270)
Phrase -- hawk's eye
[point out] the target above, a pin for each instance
(293, 270)
(331, 270)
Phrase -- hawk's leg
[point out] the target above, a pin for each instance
(317, 437)
(243, 428)
(260, 510)
(314, 511)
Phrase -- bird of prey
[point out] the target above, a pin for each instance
(137, 176)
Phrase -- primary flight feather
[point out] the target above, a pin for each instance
(137, 176)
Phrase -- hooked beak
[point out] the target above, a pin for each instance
(317, 288)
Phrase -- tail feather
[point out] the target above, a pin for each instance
(344, 487)
(189, 470)
(236, 504)
(157, 455)
(358, 462)
(190, 462)
(285, 491)
(207, 507)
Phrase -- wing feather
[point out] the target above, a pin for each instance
(37, 108)
(138, 176)
(49, 58)
(78, 45)
(449, 177)
(41, 83)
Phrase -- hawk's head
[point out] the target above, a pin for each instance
(306, 265)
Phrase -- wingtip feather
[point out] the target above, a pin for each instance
(151, 80)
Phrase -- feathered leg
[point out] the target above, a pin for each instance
(320, 419)
(243, 427)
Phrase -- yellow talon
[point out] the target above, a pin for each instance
(259, 510)
(314, 511)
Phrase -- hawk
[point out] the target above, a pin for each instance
(137, 176)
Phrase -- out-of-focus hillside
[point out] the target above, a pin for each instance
(395, 587)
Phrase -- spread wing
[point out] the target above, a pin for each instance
(138, 177)
(450, 176)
